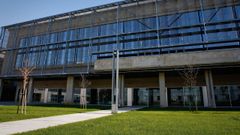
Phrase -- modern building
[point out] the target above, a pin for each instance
(156, 40)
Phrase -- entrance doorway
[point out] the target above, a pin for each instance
(146, 96)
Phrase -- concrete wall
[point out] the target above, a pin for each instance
(173, 60)
(172, 79)
(53, 83)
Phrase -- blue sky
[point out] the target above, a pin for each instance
(15, 11)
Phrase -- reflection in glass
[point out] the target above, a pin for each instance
(185, 96)
(227, 95)
(146, 96)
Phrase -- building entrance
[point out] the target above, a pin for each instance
(146, 96)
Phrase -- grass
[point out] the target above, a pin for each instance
(8, 113)
(154, 122)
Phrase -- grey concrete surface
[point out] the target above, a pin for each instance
(173, 60)
(13, 127)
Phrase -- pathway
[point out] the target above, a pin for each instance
(13, 127)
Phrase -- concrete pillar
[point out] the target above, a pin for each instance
(30, 90)
(129, 96)
(1, 83)
(210, 89)
(45, 99)
(121, 90)
(205, 96)
(163, 90)
(69, 90)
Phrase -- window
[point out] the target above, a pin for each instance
(185, 96)
(71, 55)
(238, 11)
(108, 29)
(34, 41)
(19, 60)
(227, 95)
(53, 38)
(218, 14)
(43, 56)
(41, 40)
(149, 23)
(23, 42)
(61, 36)
(50, 58)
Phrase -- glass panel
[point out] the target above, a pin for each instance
(185, 96)
(218, 12)
(140, 96)
(76, 95)
(192, 96)
(154, 97)
(38, 95)
(105, 96)
(227, 95)
(23, 42)
(53, 37)
(222, 95)
(238, 11)
(19, 60)
(175, 97)
(235, 95)
(56, 95)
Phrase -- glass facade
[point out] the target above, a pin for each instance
(50, 96)
(4, 35)
(185, 96)
(146, 96)
(227, 95)
(74, 46)
(94, 96)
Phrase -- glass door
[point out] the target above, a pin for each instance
(140, 96)
(154, 97)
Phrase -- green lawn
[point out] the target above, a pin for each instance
(154, 122)
(8, 113)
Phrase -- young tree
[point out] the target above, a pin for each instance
(25, 71)
(189, 74)
(84, 83)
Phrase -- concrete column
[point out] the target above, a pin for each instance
(121, 90)
(30, 90)
(210, 89)
(129, 96)
(45, 99)
(69, 90)
(205, 96)
(1, 83)
(163, 90)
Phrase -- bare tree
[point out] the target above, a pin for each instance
(25, 71)
(189, 74)
(84, 83)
